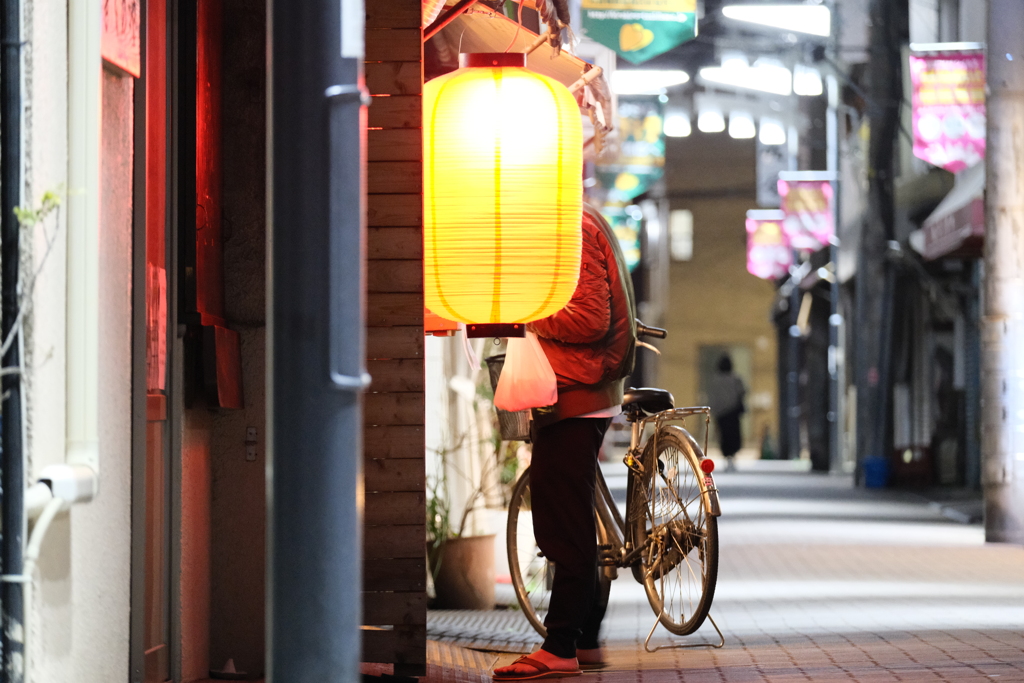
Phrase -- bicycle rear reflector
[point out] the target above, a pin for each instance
(707, 465)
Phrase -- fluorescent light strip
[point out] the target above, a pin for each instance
(765, 78)
(815, 20)
(646, 81)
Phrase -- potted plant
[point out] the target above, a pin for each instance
(461, 564)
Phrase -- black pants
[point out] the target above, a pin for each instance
(562, 475)
(729, 436)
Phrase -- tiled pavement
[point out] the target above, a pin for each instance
(818, 582)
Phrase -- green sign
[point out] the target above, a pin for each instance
(640, 29)
(625, 223)
(641, 160)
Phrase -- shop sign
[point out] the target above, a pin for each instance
(769, 255)
(625, 223)
(807, 204)
(640, 29)
(948, 102)
(771, 159)
(120, 43)
(641, 160)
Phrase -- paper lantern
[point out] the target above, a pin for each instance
(503, 192)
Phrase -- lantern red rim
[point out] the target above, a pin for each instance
(491, 59)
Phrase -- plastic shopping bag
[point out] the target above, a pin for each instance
(527, 380)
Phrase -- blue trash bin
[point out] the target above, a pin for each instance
(876, 472)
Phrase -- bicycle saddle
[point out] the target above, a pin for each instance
(648, 400)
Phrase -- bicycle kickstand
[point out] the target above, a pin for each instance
(680, 646)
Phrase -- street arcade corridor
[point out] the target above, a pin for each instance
(818, 582)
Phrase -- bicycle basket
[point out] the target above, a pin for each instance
(514, 426)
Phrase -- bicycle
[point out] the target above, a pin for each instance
(669, 536)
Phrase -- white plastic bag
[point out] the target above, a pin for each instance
(527, 380)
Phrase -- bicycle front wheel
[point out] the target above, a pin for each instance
(679, 564)
(531, 572)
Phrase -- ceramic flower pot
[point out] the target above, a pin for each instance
(464, 573)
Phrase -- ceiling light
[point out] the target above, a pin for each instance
(741, 125)
(646, 81)
(813, 19)
(772, 132)
(677, 125)
(710, 121)
(770, 78)
(806, 81)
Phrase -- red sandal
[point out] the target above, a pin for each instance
(542, 671)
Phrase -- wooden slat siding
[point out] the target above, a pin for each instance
(404, 646)
(395, 144)
(393, 474)
(394, 309)
(397, 111)
(393, 408)
(394, 210)
(397, 276)
(395, 541)
(394, 507)
(393, 441)
(394, 576)
(394, 78)
(389, 14)
(401, 374)
(394, 342)
(392, 45)
(406, 574)
(405, 609)
(394, 243)
(394, 176)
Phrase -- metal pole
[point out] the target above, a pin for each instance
(793, 369)
(12, 473)
(872, 308)
(1002, 373)
(316, 209)
(835, 317)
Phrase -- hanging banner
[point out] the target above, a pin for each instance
(807, 204)
(641, 160)
(769, 255)
(640, 29)
(949, 107)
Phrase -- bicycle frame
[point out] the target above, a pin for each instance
(621, 553)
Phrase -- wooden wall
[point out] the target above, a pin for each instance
(394, 571)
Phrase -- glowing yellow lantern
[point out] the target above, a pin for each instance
(503, 192)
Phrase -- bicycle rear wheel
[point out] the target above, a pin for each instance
(531, 572)
(679, 566)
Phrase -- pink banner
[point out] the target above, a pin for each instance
(949, 108)
(769, 255)
(808, 224)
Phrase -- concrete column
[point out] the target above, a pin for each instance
(1002, 372)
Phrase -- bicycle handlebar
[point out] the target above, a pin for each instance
(645, 331)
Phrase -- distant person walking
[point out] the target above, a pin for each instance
(725, 397)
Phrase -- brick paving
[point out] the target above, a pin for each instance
(818, 582)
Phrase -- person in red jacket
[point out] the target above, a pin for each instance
(591, 345)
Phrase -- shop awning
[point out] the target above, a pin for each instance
(957, 226)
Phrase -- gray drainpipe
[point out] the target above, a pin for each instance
(316, 210)
(12, 475)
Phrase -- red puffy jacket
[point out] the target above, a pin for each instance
(591, 343)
